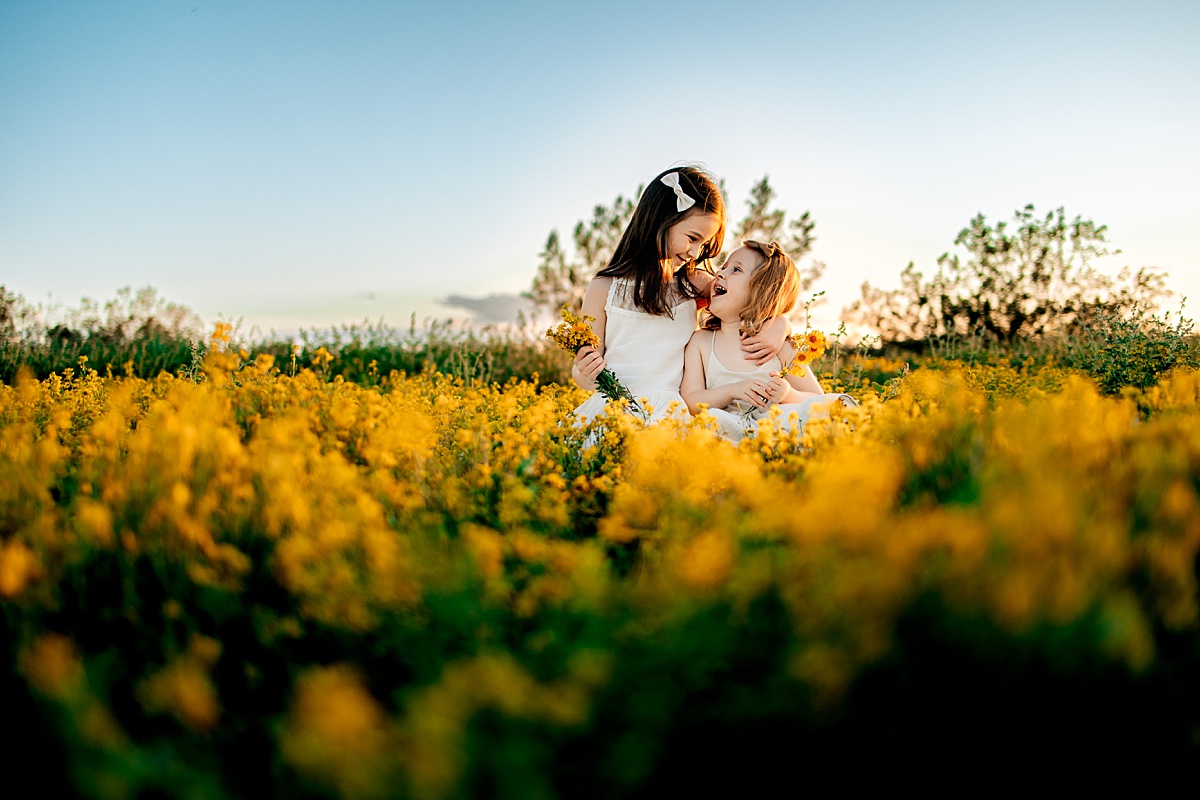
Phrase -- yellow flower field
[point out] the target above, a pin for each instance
(256, 584)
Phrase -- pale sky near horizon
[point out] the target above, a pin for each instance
(311, 163)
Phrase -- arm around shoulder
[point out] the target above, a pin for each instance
(768, 342)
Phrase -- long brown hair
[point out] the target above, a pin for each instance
(774, 288)
(643, 246)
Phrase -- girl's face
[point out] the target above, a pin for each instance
(686, 238)
(731, 287)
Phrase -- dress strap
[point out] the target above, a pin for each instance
(612, 287)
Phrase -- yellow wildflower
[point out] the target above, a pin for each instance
(52, 665)
(18, 567)
(707, 561)
(809, 347)
(337, 733)
(185, 690)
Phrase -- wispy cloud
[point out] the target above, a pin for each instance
(492, 308)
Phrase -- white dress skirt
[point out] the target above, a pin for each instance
(739, 420)
(645, 352)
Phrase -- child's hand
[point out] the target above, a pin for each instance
(755, 392)
(779, 388)
(767, 343)
(589, 364)
(756, 350)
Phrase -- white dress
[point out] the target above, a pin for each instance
(645, 351)
(739, 419)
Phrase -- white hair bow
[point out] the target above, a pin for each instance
(682, 201)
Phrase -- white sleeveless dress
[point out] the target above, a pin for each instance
(645, 351)
(739, 419)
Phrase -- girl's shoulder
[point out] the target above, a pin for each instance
(700, 337)
(788, 351)
(600, 282)
(597, 290)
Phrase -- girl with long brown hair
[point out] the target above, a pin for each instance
(644, 301)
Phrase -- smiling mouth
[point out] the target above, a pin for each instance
(719, 290)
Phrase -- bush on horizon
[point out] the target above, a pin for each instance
(143, 336)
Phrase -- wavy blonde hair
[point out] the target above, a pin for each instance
(774, 288)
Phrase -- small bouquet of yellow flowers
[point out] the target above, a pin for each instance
(573, 334)
(809, 347)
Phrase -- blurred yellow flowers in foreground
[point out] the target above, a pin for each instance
(260, 583)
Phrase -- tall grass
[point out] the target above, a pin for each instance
(365, 353)
(141, 336)
(369, 352)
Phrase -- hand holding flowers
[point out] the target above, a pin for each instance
(573, 334)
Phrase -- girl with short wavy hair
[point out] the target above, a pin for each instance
(757, 282)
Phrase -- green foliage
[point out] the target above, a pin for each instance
(137, 333)
(1132, 350)
(1031, 281)
(562, 280)
(140, 335)
(9, 308)
(1114, 350)
(369, 352)
(143, 357)
(130, 316)
(762, 223)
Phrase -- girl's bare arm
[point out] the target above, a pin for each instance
(693, 373)
(753, 391)
(794, 388)
(805, 382)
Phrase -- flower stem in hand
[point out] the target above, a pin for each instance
(608, 385)
(573, 334)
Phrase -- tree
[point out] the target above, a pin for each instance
(1029, 281)
(9, 304)
(561, 280)
(761, 223)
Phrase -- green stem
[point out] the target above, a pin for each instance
(612, 388)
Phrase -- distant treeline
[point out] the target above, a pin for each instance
(142, 335)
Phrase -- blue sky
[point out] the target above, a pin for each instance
(309, 163)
